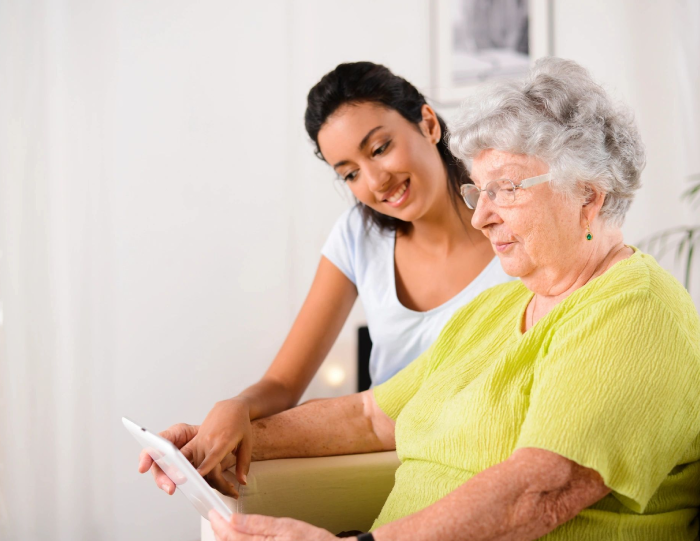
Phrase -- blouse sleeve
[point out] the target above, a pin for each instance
(393, 395)
(617, 391)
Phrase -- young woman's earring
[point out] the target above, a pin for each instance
(588, 231)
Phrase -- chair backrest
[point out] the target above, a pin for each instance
(338, 493)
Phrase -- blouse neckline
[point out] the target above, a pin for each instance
(571, 298)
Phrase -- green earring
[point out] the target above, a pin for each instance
(588, 232)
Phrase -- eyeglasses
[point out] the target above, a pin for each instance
(501, 191)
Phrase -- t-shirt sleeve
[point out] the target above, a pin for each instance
(341, 245)
(617, 392)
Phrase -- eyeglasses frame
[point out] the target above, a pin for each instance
(526, 183)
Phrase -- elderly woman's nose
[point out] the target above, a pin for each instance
(483, 213)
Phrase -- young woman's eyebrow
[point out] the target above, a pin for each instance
(364, 141)
(362, 145)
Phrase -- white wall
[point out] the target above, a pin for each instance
(220, 207)
(213, 208)
(634, 48)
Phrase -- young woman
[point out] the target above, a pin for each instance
(407, 249)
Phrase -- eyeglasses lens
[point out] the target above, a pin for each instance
(501, 192)
(471, 195)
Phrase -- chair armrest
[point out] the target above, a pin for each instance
(338, 493)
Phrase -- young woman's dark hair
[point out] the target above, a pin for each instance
(363, 82)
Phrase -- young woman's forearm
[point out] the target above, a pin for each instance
(311, 337)
(338, 426)
(267, 397)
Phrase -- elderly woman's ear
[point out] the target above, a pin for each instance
(592, 203)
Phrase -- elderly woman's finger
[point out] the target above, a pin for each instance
(145, 462)
(163, 481)
(187, 451)
(248, 526)
(223, 531)
(270, 528)
(180, 434)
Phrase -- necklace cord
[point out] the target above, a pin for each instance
(534, 299)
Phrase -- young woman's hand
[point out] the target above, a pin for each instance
(181, 435)
(261, 528)
(223, 439)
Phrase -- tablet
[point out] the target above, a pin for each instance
(181, 472)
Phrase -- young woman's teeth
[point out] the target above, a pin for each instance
(394, 198)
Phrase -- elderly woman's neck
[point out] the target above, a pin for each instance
(565, 275)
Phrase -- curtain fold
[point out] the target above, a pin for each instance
(58, 59)
(687, 15)
(55, 392)
(687, 62)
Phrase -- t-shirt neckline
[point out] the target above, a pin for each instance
(444, 305)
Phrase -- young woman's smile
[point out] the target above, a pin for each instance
(388, 163)
(398, 195)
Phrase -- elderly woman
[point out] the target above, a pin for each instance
(564, 404)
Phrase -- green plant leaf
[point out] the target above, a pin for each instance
(688, 263)
(687, 236)
(683, 240)
(694, 191)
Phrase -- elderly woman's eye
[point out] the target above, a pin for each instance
(505, 185)
(381, 149)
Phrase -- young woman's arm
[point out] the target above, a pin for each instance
(226, 428)
(313, 333)
(346, 425)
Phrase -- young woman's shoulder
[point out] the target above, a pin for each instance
(353, 243)
(352, 223)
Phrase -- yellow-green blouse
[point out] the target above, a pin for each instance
(610, 379)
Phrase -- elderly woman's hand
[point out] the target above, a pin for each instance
(261, 528)
(181, 435)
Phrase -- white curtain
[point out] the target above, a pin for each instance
(55, 363)
(688, 61)
(59, 60)
(687, 15)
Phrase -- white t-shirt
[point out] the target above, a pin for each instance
(399, 335)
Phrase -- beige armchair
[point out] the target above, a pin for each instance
(338, 493)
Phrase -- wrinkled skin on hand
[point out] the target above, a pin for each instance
(261, 528)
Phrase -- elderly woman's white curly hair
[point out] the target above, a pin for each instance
(560, 115)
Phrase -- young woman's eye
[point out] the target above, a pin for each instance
(350, 176)
(380, 150)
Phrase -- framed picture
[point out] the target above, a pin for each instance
(480, 40)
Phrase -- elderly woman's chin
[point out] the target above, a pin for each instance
(513, 259)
